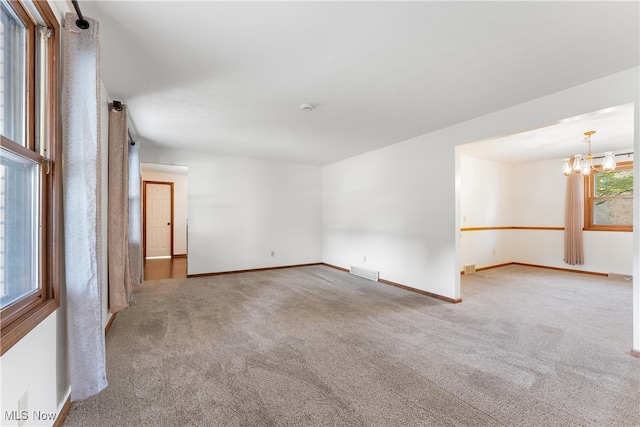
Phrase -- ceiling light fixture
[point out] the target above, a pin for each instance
(584, 166)
(307, 107)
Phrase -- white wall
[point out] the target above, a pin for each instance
(180, 209)
(485, 201)
(412, 186)
(528, 195)
(538, 194)
(390, 206)
(485, 193)
(241, 209)
(540, 202)
(24, 369)
(604, 252)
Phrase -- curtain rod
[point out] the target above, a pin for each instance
(80, 22)
(131, 141)
(629, 154)
(117, 105)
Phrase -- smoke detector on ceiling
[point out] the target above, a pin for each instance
(307, 107)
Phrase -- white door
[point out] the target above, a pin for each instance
(158, 220)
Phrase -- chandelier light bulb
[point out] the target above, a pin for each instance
(566, 167)
(609, 163)
(586, 167)
(577, 163)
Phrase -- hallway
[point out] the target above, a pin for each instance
(165, 268)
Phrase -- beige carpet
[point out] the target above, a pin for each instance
(313, 346)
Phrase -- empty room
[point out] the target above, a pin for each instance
(320, 213)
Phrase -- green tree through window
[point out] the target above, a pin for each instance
(609, 199)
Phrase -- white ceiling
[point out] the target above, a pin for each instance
(172, 169)
(229, 77)
(614, 132)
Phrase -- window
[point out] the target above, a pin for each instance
(609, 199)
(29, 49)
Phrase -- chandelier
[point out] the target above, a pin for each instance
(584, 166)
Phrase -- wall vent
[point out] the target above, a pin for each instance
(364, 272)
(469, 269)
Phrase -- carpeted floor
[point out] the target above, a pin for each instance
(313, 346)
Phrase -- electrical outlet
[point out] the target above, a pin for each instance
(494, 252)
(364, 258)
(273, 253)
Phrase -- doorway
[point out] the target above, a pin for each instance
(158, 219)
(512, 195)
(167, 256)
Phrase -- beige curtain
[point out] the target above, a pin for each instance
(81, 182)
(574, 221)
(120, 289)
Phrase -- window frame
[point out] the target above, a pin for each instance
(22, 316)
(590, 198)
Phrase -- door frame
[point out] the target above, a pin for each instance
(144, 214)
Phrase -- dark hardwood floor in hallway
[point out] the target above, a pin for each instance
(165, 268)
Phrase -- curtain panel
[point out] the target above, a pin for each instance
(574, 221)
(120, 287)
(81, 184)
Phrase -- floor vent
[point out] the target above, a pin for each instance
(469, 269)
(364, 272)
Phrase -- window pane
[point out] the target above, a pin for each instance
(613, 212)
(12, 75)
(41, 119)
(617, 183)
(19, 227)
